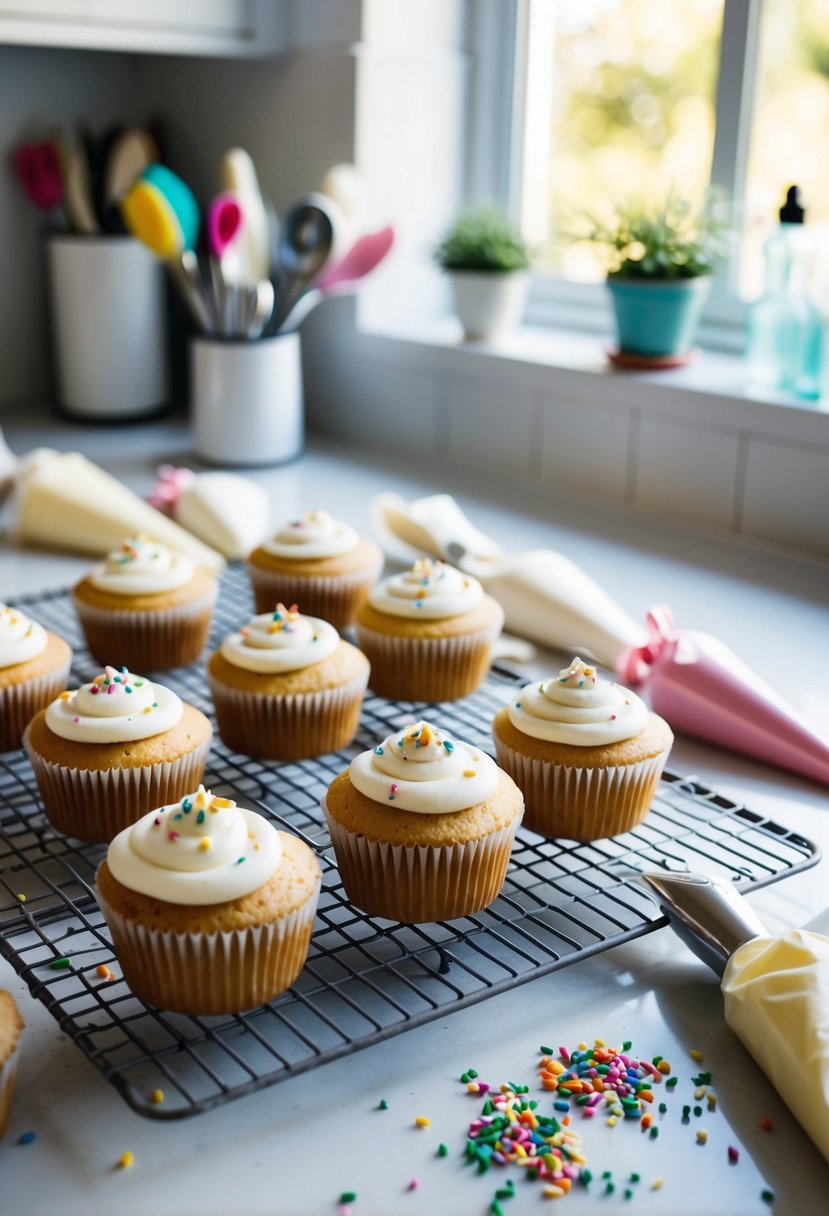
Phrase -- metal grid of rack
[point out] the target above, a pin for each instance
(365, 978)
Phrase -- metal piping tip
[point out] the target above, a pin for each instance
(711, 917)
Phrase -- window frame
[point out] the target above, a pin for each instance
(507, 38)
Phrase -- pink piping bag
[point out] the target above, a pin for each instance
(703, 689)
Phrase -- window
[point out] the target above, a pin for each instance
(626, 99)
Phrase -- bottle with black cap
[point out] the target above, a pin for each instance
(784, 346)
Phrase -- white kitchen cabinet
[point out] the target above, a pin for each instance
(234, 28)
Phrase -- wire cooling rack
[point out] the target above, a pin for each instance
(365, 979)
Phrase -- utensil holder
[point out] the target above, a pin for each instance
(247, 400)
(109, 327)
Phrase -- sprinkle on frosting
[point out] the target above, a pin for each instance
(315, 534)
(116, 707)
(20, 638)
(430, 590)
(417, 772)
(280, 641)
(578, 708)
(141, 566)
(198, 862)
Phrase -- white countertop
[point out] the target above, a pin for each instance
(292, 1149)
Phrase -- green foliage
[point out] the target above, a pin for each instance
(482, 238)
(675, 241)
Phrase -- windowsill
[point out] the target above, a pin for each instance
(711, 388)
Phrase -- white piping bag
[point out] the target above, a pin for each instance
(776, 989)
(546, 596)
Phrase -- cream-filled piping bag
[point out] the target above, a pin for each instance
(776, 989)
(546, 596)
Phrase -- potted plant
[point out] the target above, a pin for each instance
(660, 263)
(487, 261)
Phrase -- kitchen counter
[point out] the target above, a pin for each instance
(292, 1149)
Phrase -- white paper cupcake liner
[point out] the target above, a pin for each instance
(96, 804)
(421, 883)
(288, 728)
(8, 1071)
(146, 641)
(211, 973)
(582, 803)
(335, 598)
(427, 669)
(20, 702)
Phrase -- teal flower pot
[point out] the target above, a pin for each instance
(658, 317)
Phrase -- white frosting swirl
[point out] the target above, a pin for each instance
(579, 708)
(420, 769)
(314, 534)
(199, 851)
(20, 638)
(279, 641)
(431, 590)
(117, 707)
(142, 567)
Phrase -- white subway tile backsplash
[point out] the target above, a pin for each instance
(395, 411)
(686, 471)
(492, 426)
(787, 494)
(584, 448)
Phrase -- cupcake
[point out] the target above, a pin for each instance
(287, 687)
(210, 908)
(34, 668)
(422, 827)
(428, 633)
(106, 753)
(11, 1027)
(585, 752)
(146, 605)
(318, 562)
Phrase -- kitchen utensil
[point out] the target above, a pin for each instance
(161, 210)
(703, 688)
(39, 171)
(187, 274)
(80, 208)
(305, 243)
(224, 223)
(776, 989)
(237, 175)
(365, 255)
(129, 155)
(546, 597)
(263, 308)
(346, 186)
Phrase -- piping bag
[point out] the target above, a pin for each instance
(546, 597)
(776, 989)
(701, 687)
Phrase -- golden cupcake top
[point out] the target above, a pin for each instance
(311, 535)
(142, 566)
(280, 641)
(21, 639)
(116, 707)
(579, 708)
(201, 850)
(422, 769)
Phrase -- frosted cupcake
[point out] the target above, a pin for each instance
(209, 906)
(11, 1028)
(319, 562)
(585, 752)
(34, 668)
(107, 752)
(428, 633)
(146, 605)
(422, 826)
(286, 687)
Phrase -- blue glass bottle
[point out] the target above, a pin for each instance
(784, 345)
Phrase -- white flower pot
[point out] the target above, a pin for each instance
(488, 303)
